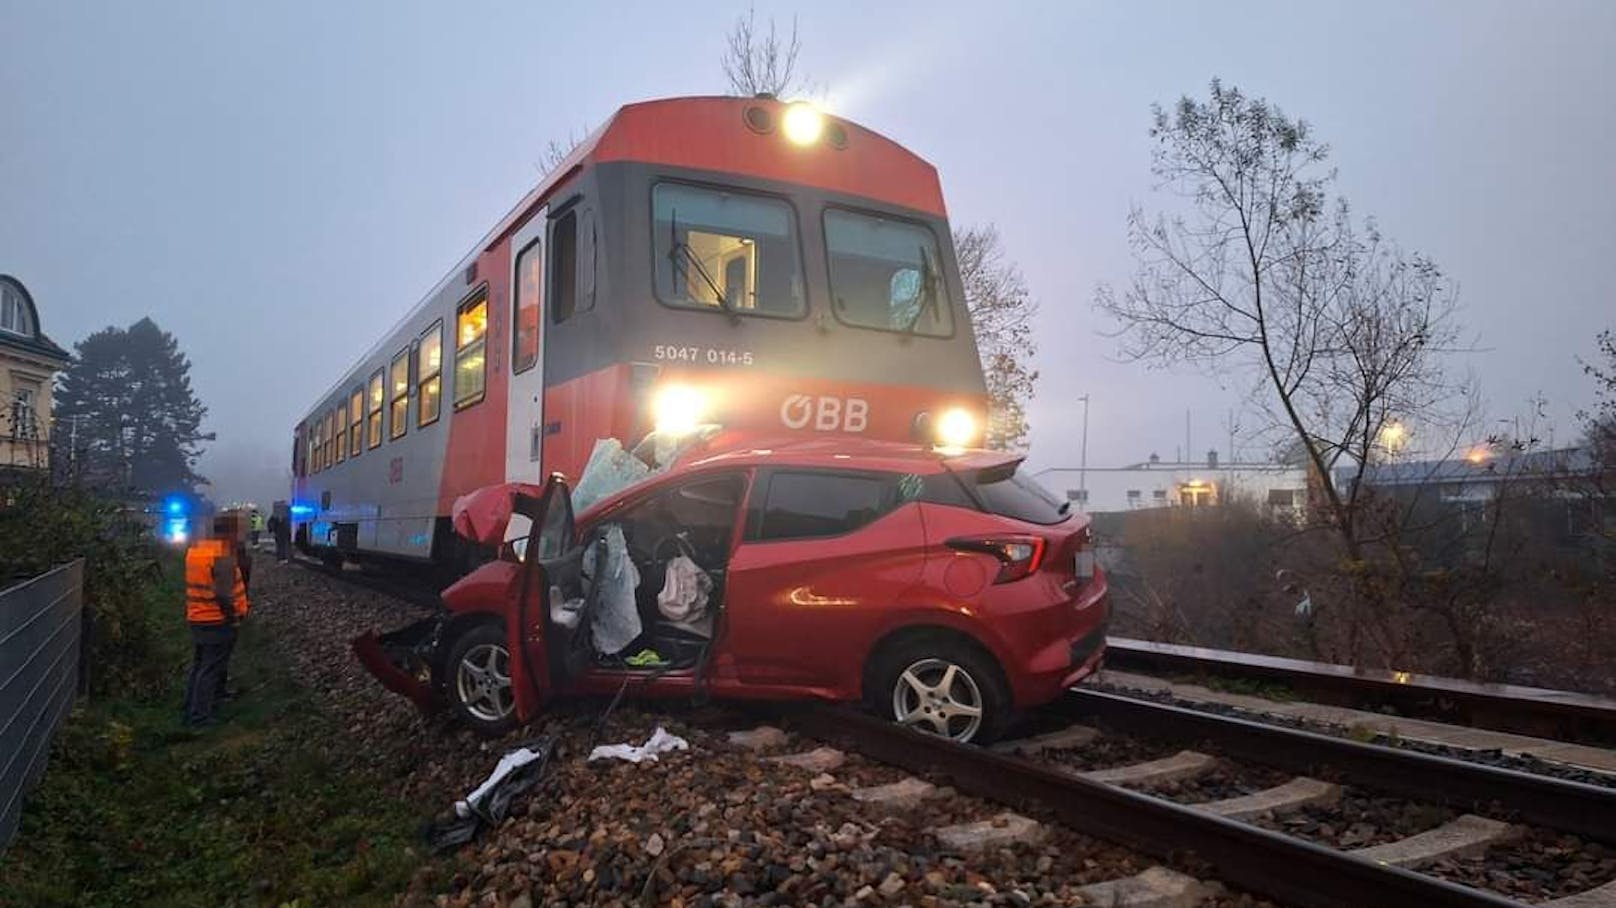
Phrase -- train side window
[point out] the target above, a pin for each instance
(429, 375)
(325, 440)
(525, 318)
(564, 266)
(356, 422)
(342, 431)
(471, 342)
(374, 412)
(398, 375)
(587, 254)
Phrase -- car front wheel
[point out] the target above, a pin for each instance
(479, 680)
(946, 688)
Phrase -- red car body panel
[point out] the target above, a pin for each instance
(802, 617)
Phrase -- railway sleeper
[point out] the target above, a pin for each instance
(1185, 764)
(1157, 887)
(1293, 795)
(1467, 836)
(1601, 897)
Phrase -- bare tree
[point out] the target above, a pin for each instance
(1262, 274)
(556, 151)
(1600, 425)
(1341, 331)
(1001, 311)
(756, 63)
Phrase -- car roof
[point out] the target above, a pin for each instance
(841, 452)
(844, 452)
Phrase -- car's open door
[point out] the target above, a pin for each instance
(550, 556)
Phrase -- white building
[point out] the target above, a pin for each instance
(1155, 483)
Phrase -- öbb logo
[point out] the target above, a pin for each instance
(825, 414)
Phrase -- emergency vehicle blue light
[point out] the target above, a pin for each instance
(302, 510)
(175, 506)
(176, 530)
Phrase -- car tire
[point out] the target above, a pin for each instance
(477, 680)
(928, 682)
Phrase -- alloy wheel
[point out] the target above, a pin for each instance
(940, 697)
(483, 682)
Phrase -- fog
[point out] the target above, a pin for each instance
(276, 183)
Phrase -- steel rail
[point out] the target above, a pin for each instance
(1290, 870)
(1503, 707)
(1575, 807)
(419, 596)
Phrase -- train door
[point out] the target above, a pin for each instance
(524, 431)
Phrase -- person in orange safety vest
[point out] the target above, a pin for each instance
(216, 572)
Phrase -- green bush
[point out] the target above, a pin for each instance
(44, 525)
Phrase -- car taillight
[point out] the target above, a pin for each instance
(1018, 555)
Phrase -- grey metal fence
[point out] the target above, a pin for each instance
(41, 621)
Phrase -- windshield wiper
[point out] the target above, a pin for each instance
(679, 246)
(928, 292)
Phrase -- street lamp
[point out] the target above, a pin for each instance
(1083, 462)
(1393, 437)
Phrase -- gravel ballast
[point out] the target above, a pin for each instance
(713, 825)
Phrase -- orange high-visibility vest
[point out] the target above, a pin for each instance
(201, 605)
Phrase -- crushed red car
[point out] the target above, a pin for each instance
(947, 591)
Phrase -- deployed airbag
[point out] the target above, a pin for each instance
(615, 620)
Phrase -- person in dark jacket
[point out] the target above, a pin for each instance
(280, 529)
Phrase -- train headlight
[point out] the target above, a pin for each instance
(957, 427)
(678, 409)
(803, 124)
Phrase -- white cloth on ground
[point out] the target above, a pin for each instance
(507, 764)
(660, 742)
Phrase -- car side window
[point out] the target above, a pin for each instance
(807, 505)
(695, 519)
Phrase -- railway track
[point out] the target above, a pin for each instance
(417, 591)
(1241, 840)
(1245, 839)
(1563, 715)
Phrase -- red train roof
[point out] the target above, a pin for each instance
(711, 133)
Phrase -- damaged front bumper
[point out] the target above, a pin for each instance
(406, 661)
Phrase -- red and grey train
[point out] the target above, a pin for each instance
(743, 261)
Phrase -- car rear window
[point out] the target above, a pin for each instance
(1009, 492)
(805, 505)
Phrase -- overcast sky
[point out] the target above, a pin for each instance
(276, 183)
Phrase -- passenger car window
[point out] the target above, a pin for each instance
(429, 375)
(471, 346)
(342, 432)
(399, 375)
(378, 395)
(529, 291)
(725, 249)
(356, 416)
(804, 505)
(886, 273)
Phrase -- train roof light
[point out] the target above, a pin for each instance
(803, 124)
(957, 428)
